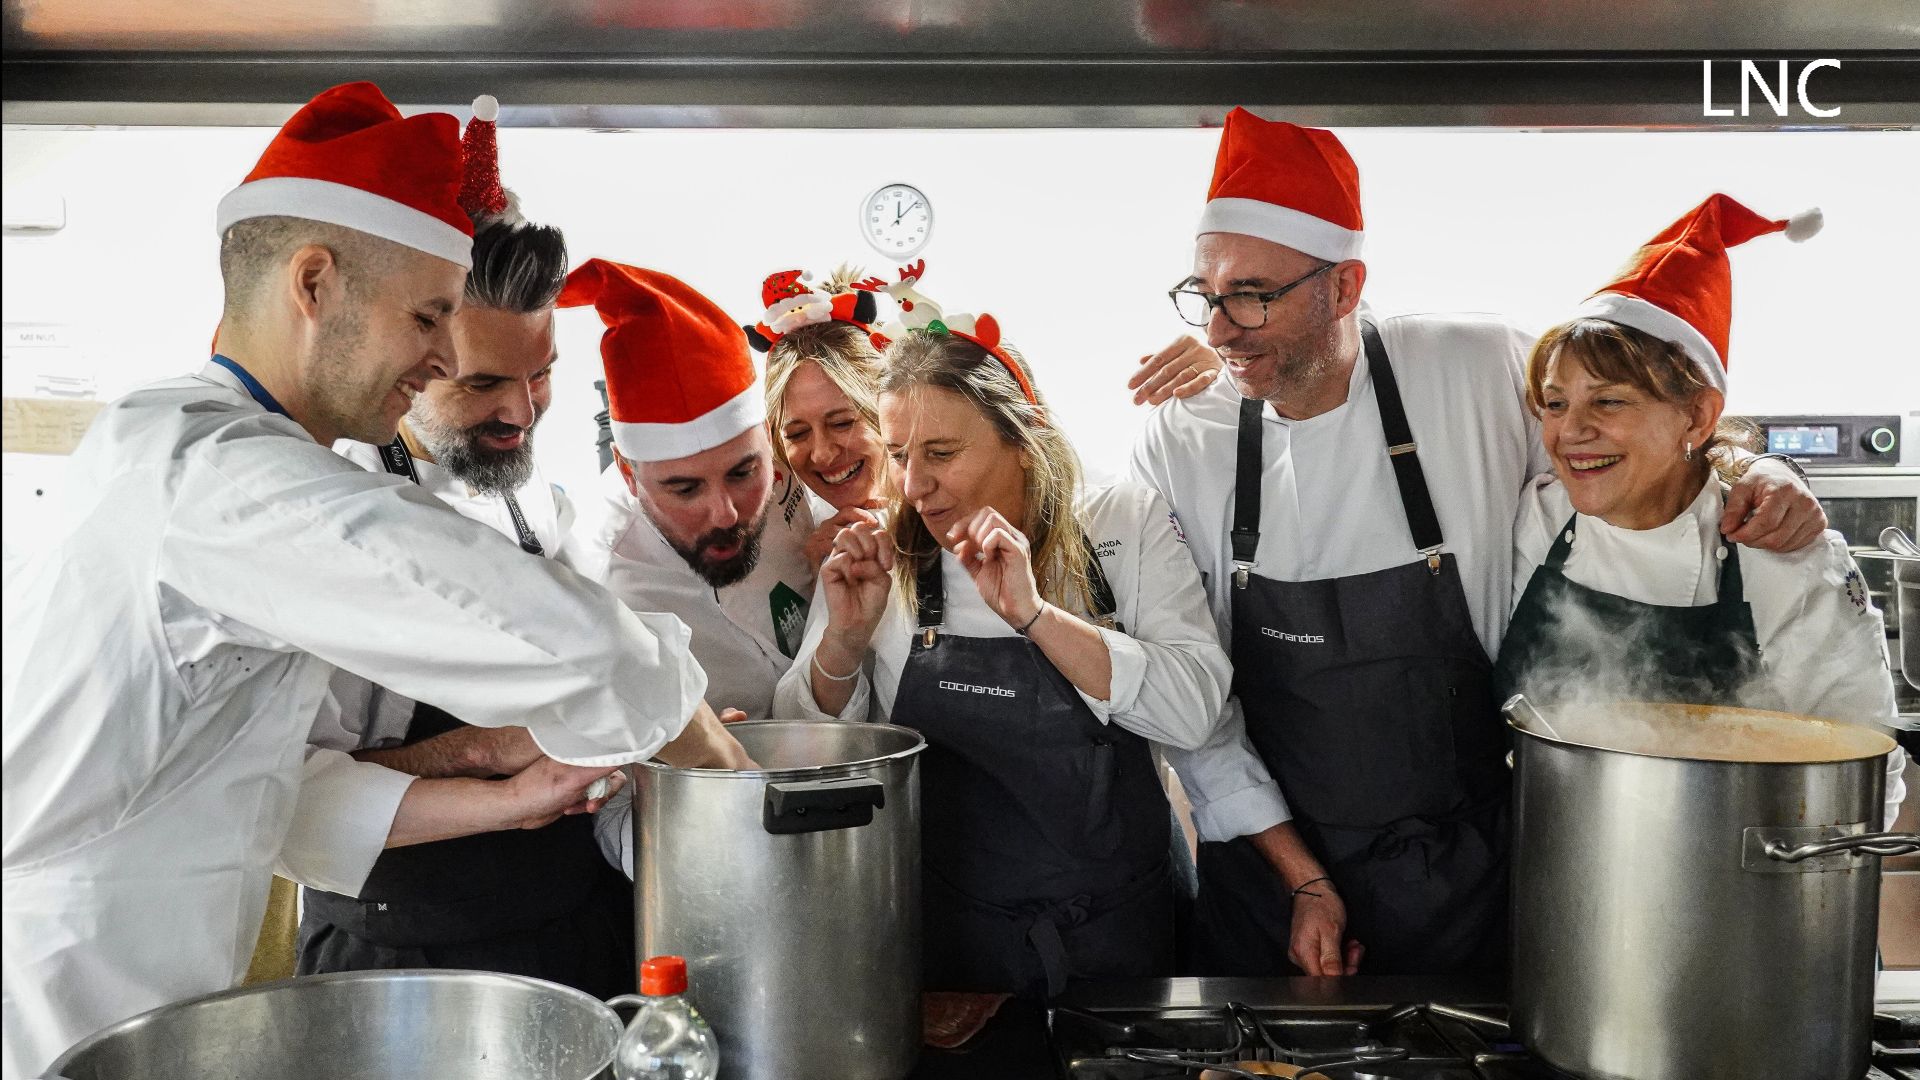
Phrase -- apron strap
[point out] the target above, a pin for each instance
(930, 592)
(1414, 497)
(1246, 491)
(1732, 587)
(399, 462)
(1562, 546)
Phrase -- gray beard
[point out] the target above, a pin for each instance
(489, 472)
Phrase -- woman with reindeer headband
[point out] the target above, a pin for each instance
(823, 368)
(1044, 639)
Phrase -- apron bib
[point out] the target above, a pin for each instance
(538, 902)
(1370, 699)
(1045, 833)
(1692, 655)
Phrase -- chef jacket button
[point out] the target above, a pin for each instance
(1720, 553)
(1569, 536)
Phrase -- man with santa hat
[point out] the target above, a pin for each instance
(471, 875)
(217, 562)
(698, 521)
(1349, 491)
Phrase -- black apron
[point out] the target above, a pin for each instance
(1370, 699)
(1045, 833)
(537, 902)
(1692, 655)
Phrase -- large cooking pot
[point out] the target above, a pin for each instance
(1696, 891)
(794, 894)
(361, 1025)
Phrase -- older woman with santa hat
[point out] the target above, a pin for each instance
(1045, 639)
(1623, 541)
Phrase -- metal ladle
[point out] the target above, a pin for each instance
(1526, 717)
(1895, 539)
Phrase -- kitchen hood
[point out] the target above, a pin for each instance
(975, 63)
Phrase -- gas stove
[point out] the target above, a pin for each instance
(1362, 1028)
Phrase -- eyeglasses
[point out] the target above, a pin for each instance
(1246, 310)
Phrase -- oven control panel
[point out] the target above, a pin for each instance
(1850, 441)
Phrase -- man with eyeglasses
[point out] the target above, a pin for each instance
(1350, 498)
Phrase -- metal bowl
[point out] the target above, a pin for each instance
(361, 1025)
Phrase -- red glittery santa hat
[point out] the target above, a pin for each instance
(349, 158)
(1292, 185)
(791, 304)
(481, 194)
(1679, 285)
(679, 377)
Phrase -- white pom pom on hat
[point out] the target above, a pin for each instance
(1805, 225)
(486, 108)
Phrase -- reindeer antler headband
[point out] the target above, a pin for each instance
(918, 312)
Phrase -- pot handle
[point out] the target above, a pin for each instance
(820, 805)
(1880, 843)
(624, 1001)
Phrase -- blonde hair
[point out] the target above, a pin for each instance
(1062, 564)
(844, 355)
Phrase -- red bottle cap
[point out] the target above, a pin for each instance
(662, 976)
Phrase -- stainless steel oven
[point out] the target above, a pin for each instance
(1865, 470)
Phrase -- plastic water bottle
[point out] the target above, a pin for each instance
(667, 1039)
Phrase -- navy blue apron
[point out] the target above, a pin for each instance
(1370, 699)
(1045, 832)
(538, 902)
(1691, 655)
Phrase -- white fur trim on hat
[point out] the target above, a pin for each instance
(1283, 225)
(666, 442)
(349, 207)
(1661, 323)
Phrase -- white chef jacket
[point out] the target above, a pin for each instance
(744, 635)
(1169, 673)
(344, 814)
(1823, 645)
(1330, 507)
(167, 655)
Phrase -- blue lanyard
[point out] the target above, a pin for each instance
(254, 389)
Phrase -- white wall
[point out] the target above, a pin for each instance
(1070, 237)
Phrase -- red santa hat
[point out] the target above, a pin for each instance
(791, 304)
(679, 377)
(481, 194)
(349, 158)
(1679, 285)
(1293, 185)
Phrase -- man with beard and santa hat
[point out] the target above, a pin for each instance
(495, 876)
(698, 520)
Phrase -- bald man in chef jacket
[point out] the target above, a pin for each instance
(1349, 491)
(216, 563)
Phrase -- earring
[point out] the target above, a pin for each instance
(1689, 453)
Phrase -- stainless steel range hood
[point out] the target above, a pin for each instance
(948, 63)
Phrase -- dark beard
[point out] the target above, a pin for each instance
(720, 573)
(489, 472)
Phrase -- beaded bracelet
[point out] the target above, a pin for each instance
(829, 676)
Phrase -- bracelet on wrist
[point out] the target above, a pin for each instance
(1303, 886)
(830, 676)
(1041, 610)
